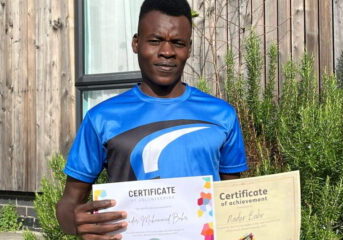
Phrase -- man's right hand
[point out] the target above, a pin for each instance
(90, 224)
(79, 217)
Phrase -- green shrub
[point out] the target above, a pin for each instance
(9, 219)
(28, 235)
(339, 71)
(302, 130)
(310, 138)
(203, 86)
(257, 116)
(51, 192)
(254, 65)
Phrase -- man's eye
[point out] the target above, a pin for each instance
(179, 44)
(154, 41)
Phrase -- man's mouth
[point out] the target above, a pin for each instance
(165, 67)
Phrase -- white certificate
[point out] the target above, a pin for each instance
(163, 209)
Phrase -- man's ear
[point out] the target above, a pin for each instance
(135, 43)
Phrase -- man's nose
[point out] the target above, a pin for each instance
(167, 50)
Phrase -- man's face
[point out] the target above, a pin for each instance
(163, 45)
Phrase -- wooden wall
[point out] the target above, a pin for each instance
(37, 95)
(295, 25)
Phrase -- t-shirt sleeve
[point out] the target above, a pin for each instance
(233, 156)
(86, 157)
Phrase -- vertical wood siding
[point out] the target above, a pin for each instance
(296, 26)
(37, 100)
(271, 35)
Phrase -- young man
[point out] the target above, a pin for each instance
(161, 128)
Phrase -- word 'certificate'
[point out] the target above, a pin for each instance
(258, 208)
(163, 209)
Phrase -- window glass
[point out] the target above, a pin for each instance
(109, 27)
(93, 97)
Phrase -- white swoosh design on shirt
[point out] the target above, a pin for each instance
(153, 149)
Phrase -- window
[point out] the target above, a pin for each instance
(106, 65)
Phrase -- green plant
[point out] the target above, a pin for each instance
(311, 139)
(339, 71)
(28, 235)
(194, 13)
(302, 130)
(9, 219)
(322, 220)
(257, 116)
(268, 104)
(234, 88)
(203, 86)
(51, 191)
(254, 65)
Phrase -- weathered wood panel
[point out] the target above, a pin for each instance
(67, 99)
(284, 36)
(37, 102)
(188, 70)
(30, 105)
(5, 126)
(298, 29)
(52, 89)
(293, 24)
(325, 37)
(42, 81)
(245, 22)
(271, 35)
(30, 100)
(19, 76)
(258, 26)
(37, 113)
(195, 65)
(312, 32)
(2, 85)
(210, 60)
(338, 26)
(8, 101)
(234, 31)
(221, 44)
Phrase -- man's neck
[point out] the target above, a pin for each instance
(172, 91)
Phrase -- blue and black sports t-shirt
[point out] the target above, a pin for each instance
(139, 137)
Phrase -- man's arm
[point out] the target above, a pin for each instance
(229, 176)
(75, 216)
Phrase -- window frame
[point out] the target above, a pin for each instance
(87, 82)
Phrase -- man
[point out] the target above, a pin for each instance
(161, 128)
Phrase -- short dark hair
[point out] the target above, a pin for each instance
(168, 7)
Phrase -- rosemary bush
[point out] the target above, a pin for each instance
(339, 70)
(310, 136)
(302, 130)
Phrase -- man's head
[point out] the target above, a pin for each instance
(163, 41)
(174, 8)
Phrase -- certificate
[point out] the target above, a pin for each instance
(258, 208)
(163, 209)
